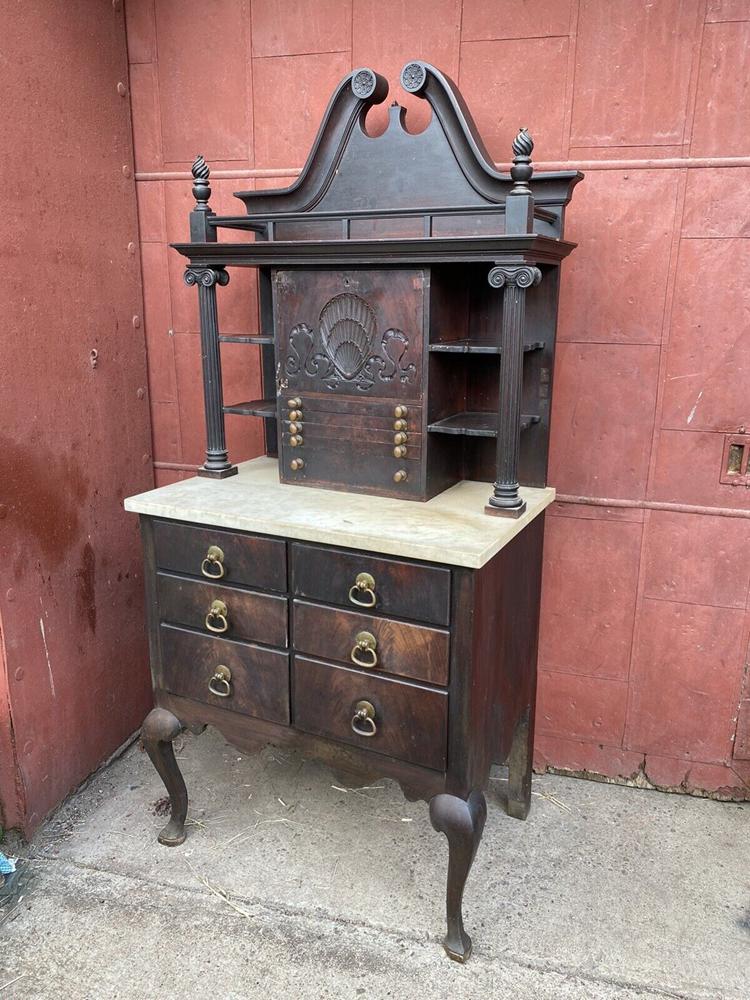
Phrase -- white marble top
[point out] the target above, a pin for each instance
(451, 528)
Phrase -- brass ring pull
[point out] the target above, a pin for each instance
(213, 565)
(364, 586)
(363, 721)
(364, 646)
(217, 613)
(223, 677)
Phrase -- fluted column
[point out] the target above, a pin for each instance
(217, 464)
(514, 280)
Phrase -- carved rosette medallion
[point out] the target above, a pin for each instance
(343, 352)
(206, 276)
(363, 83)
(413, 77)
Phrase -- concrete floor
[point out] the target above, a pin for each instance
(292, 886)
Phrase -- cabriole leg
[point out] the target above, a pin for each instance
(159, 729)
(462, 822)
(519, 767)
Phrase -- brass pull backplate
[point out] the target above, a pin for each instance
(364, 650)
(364, 587)
(363, 720)
(213, 565)
(216, 619)
(221, 682)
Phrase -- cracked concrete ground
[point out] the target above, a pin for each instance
(292, 886)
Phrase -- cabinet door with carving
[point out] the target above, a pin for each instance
(357, 333)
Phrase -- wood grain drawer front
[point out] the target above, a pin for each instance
(259, 678)
(251, 560)
(411, 721)
(416, 651)
(406, 590)
(224, 611)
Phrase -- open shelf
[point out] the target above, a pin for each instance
(245, 338)
(254, 408)
(476, 347)
(475, 424)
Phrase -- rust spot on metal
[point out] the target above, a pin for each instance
(46, 491)
(85, 586)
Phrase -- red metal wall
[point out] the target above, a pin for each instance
(74, 434)
(645, 620)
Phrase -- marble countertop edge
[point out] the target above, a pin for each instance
(451, 529)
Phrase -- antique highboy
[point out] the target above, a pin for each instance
(384, 618)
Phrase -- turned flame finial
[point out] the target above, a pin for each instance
(201, 188)
(522, 169)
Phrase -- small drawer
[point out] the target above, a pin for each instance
(224, 611)
(388, 646)
(408, 721)
(221, 556)
(227, 674)
(406, 590)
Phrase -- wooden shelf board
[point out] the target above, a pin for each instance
(245, 338)
(475, 424)
(476, 347)
(254, 408)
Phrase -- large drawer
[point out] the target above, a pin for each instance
(416, 651)
(410, 721)
(226, 611)
(405, 590)
(258, 680)
(251, 560)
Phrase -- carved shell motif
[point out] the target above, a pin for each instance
(347, 328)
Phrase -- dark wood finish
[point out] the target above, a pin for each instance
(216, 465)
(402, 589)
(359, 763)
(372, 261)
(435, 741)
(250, 616)
(390, 364)
(462, 822)
(159, 729)
(250, 560)
(259, 683)
(415, 651)
(411, 720)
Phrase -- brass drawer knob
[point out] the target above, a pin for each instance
(400, 411)
(399, 425)
(213, 565)
(296, 440)
(400, 438)
(363, 591)
(295, 414)
(216, 619)
(297, 464)
(221, 682)
(295, 428)
(363, 721)
(400, 476)
(294, 404)
(399, 451)
(363, 652)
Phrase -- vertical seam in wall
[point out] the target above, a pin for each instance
(695, 73)
(157, 93)
(170, 304)
(250, 82)
(351, 35)
(636, 628)
(666, 324)
(570, 79)
(459, 38)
